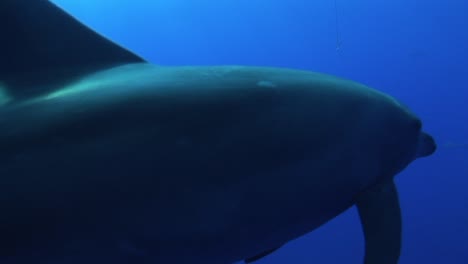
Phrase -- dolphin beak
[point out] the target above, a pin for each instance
(426, 146)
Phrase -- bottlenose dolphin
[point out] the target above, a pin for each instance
(106, 158)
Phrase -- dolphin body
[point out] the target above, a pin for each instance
(105, 158)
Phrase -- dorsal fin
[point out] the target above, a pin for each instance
(42, 46)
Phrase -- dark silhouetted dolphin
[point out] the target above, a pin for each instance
(105, 158)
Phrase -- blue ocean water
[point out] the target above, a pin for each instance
(414, 50)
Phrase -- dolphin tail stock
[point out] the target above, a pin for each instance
(41, 42)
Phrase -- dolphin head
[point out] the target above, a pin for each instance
(406, 142)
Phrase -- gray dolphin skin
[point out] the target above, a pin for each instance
(106, 158)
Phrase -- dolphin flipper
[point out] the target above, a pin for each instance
(380, 214)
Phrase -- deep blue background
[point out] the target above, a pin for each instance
(415, 50)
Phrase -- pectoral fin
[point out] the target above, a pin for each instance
(380, 214)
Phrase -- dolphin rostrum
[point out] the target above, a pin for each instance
(106, 158)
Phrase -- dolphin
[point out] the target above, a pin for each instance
(107, 158)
